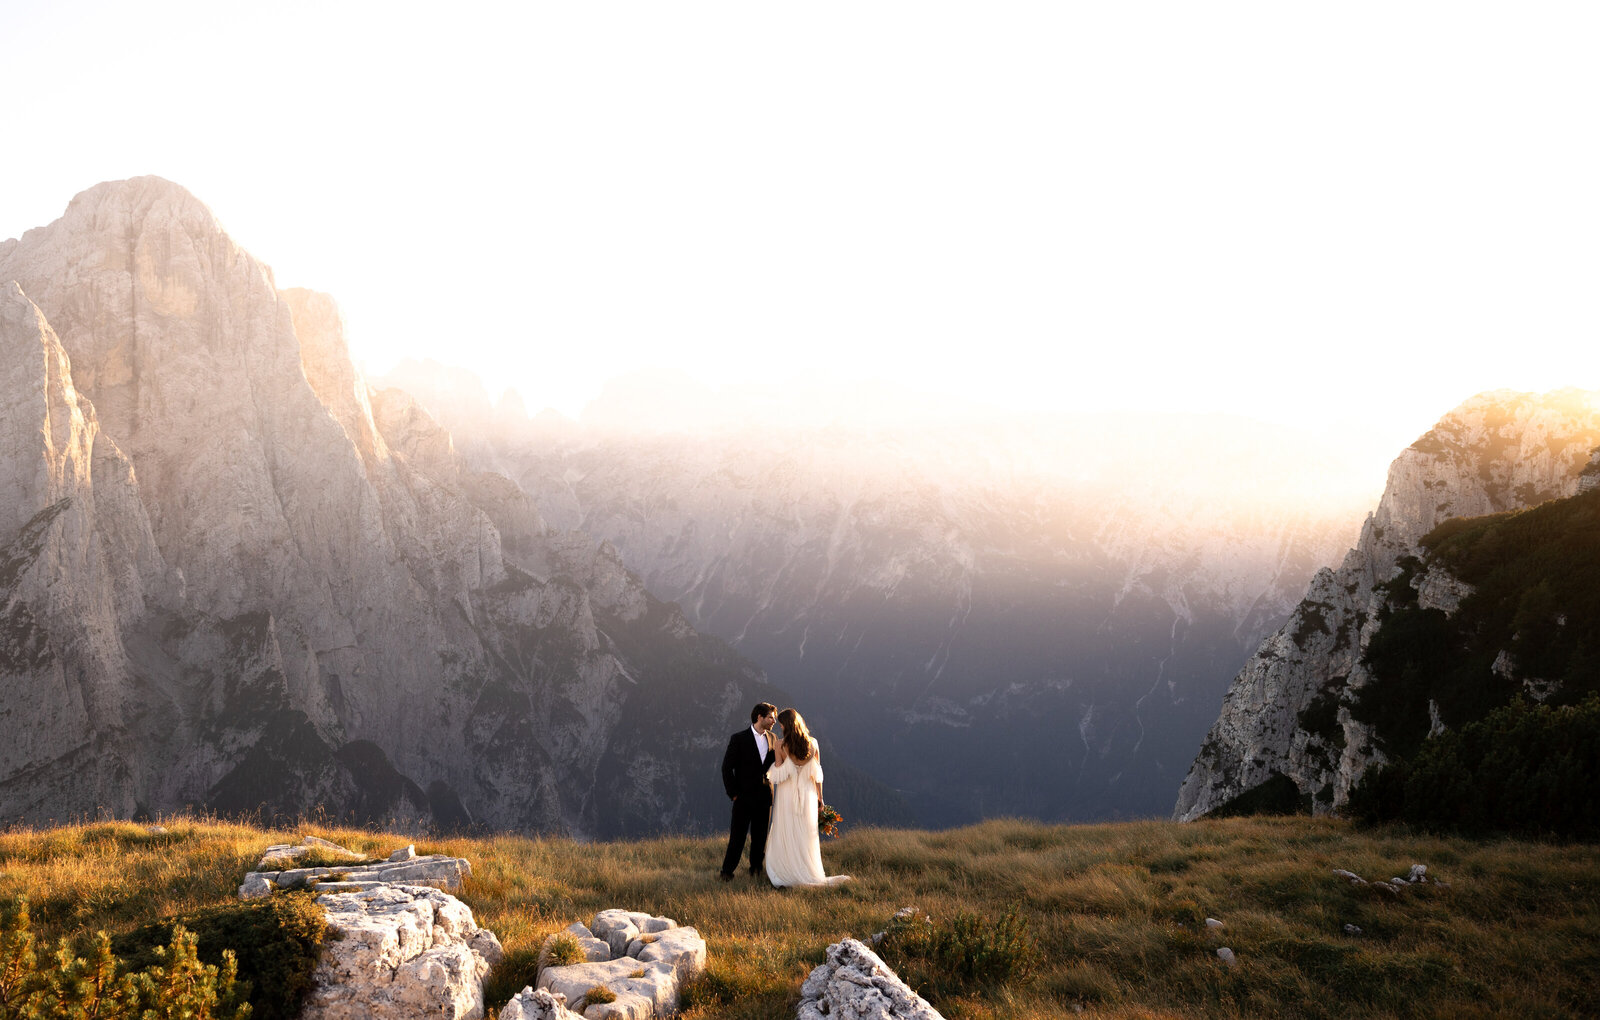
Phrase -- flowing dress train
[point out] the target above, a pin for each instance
(794, 848)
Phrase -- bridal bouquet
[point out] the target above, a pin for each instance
(828, 821)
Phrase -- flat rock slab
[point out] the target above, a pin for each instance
(855, 984)
(285, 855)
(643, 960)
(434, 870)
(400, 952)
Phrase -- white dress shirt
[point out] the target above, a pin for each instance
(761, 743)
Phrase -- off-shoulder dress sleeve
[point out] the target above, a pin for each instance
(815, 764)
(778, 773)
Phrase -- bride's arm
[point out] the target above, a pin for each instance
(816, 758)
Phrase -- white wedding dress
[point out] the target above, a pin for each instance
(794, 849)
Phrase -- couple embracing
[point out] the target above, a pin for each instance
(775, 782)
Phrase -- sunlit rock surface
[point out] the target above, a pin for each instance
(397, 952)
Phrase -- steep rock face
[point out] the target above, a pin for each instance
(981, 635)
(1286, 717)
(62, 569)
(278, 590)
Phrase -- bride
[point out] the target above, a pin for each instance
(794, 851)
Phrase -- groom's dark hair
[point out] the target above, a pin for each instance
(761, 710)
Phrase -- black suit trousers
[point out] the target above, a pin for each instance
(751, 815)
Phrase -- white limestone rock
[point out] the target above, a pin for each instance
(1437, 588)
(400, 952)
(643, 960)
(642, 989)
(434, 870)
(680, 948)
(284, 856)
(255, 886)
(618, 928)
(855, 984)
(537, 1004)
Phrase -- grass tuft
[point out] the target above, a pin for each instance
(962, 955)
(597, 995)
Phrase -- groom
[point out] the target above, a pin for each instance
(744, 776)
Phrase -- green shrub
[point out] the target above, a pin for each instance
(98, 986)
(276, 941)
(967, 953)
(17, 960)
(1532, 770)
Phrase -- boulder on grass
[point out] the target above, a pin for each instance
(396, 952)
(854, 982)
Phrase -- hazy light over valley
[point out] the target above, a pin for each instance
(1349, 219)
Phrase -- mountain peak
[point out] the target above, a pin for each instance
(136, 199)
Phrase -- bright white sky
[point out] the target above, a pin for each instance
(1354, 212)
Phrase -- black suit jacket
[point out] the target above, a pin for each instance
(744, 771)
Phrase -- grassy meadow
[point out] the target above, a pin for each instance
(1115, 913)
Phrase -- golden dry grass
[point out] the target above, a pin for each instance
(1117, 910)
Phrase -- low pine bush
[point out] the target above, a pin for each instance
(276, 942)
(959, 956)
(177, 985)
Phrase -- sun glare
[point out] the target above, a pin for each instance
(1349, 219)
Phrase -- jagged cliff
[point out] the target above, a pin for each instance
(235, 576)
(1287, 730)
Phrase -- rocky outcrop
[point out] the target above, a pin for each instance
(854, 983)
(235, 577)
(398, 952)
(435, 870)
(642, 962)
(1285, 722)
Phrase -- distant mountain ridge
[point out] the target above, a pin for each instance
(1319, 703)
(234, 576)
(1029, 616)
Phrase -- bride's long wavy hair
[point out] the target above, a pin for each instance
(796, 738)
